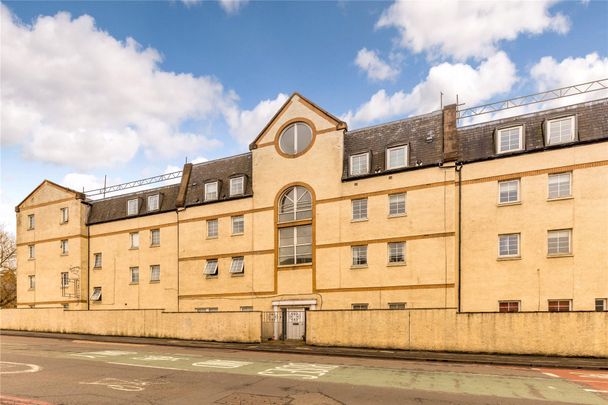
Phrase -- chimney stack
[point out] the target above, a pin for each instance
(450, 133)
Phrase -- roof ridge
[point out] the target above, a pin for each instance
(220, 159)
(426, 115)
(133, 193)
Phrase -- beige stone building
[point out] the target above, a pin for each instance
(507, 215)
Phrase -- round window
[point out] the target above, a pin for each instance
(295, 138)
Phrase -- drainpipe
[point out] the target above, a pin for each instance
(459, 167)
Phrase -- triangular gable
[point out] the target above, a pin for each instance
(332, 118)
(76, 194)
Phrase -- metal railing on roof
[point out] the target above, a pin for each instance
(132, 184)
(573, 90)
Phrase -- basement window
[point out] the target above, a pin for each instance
(560, 305)
(96, 296)
(211, 268)
(600, 304)
(247, 308)
(508, 306)
(206, 309)
(396, 305)
(359, 307)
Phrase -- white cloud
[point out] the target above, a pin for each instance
(80, 181)
(464, 29)
(550, 74)
(190, 3)
(374, 66)
(7, 213)
(74, 95)
(232, 6)
(494, 76)
(245, 125)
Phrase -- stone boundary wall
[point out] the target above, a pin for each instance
(539, 333)
(209, 326)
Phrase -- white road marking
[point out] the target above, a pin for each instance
(590, 390)
(102, 354)
(95, 342)
(159, 358)
(222, 363)
(551, 375)
(304, 371)
(146, 365)
(30, 368)
(119, 385)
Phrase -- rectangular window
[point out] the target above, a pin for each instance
(155, 272)
(211, 191)
(359, 254)
(508, 245)
(238, 265)
(31, 221)
(212, 228)
(237, 186)
(359, 209)
(396, 157)
(211, 268)
(134, 236)
(509, 139)
(560, 305)
(508, 306)
(65, 279)
(508, 191)
(359, 307)
(97, 261)
(206, 309)
(295, 245)
(560, 130)
(31, 251)
(559, 242)
(396, 305)
(65, 215)
(238, 225)
(155, 237)
(600, 304)
(396, 204)
(132, 206)
(247, 308)
(560, 185)
(134, 275)
(32, 282)
(96, 295)
(64, 247)
(359, 164)
(396, 252)
(153, 202)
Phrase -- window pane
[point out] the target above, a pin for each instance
(238, 224)
(212, 228)
(396, 157)
(509, 191)
(561, 130)
(508, 245)
(304, 136)
(153, 201)
(509, 139)
(559, 242)
(396, 252)
(359, 254)
(559, 185)
(358, 164)
(397, 204)
(287, 140)
(132, 207)
(237, 186)
(359, 208)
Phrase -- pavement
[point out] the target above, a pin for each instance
(44, 370)
(590, 363)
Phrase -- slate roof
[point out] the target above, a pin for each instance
(476, 142)
(423, 135)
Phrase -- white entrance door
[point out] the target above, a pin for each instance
(295, 323)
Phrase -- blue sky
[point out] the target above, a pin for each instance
(80, 100)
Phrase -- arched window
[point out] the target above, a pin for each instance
(295, 138)
(295, 242)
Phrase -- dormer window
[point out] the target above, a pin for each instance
(396, 157)
(153, 202)
(237, 186)
(560, 130)
(509, 139)
(211, 191)
(359, 164)
(132, 207)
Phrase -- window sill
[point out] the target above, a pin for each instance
(97, 268)
(134, 248)
(211, 276)
(359, 266)
(237, 274)
(63, 223)
(561, 198)
(65, 254)
(397, 215)
(211, 237)
(507, 204)
(396, 264)
(155, 246)
(508, 258)
(134, 283)
(31, 289)
(31, 259)
(554, 256)
(238, 234)
(154, 281)
(30, 229)
(359, 220)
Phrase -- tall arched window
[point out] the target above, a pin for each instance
(295, 242)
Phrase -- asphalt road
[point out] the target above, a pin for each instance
(58, 371)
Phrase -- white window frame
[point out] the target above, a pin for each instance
(238, 265)
(31, 250)
(134, 239)
(361, 306)
(208, 194)
(153, 203)
(237, 182)
(134, 271)
(294, 230)
(133, 206)
(154, 273)
(238, 221)
(509, 235)
(65, 248)
(358, 253)
(65, 215)
(603, 303)
(558, 234)
(152, 241)
(96, 294)
(389, 165)
(215, 227)
(211, 267)
(572, 137)
(351, 165)
(559, 299)
(65, 279)
(359, 211)
(392, 245)
(247, 308)
(31, 281)
(509, 302)
(295, 126)
(556, 178)
(295, 208)
(499, 132)
(397, 205)
(97, 263)
(517, 190)
(31, 222)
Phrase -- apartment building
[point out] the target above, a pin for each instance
(507, 215)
